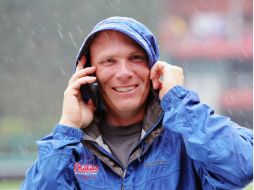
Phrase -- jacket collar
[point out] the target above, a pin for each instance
(154, 110)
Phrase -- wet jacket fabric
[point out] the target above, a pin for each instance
(184, 146)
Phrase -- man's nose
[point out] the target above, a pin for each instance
(124, 70)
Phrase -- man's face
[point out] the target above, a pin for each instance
(122, 71)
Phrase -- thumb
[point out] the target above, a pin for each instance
(156, 74)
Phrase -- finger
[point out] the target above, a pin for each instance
(157, 70)
(82, 73)
(153, 72)
(84, 80)
(81, 63)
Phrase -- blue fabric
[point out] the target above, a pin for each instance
(196, 150)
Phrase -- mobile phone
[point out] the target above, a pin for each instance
(90, 90)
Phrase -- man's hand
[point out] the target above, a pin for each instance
(75, 112)
(165, 76)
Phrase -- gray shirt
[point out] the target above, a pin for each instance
(121, 140)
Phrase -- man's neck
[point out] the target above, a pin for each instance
(124, 119)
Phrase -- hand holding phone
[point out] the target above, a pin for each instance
(76, 112)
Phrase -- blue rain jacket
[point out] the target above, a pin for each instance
(195, 149)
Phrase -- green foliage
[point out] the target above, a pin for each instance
(18, 135)
(10, 185)
(12, 125)
(249, 187)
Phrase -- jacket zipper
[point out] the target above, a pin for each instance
(152, 128)
(148, 132)
(124, 172)
(105, 152)
(156, 124)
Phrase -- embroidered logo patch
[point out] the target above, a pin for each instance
(155, 163)
(86, 169)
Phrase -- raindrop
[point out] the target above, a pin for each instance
(60, 66)
(79, 29)
(71, 36)
(60, 34)
(72, 40)
(59, 26)
(241, 112)
(33, 33)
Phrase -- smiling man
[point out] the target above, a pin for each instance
(146, 132)
(123, 72)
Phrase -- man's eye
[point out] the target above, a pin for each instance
(108, 61)
(138, 58)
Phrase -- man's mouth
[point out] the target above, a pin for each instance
(125, 89)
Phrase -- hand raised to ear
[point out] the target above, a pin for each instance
(75, 112)
(165, 76)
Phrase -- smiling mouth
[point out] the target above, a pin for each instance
(125, 89)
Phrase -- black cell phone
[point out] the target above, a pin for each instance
(90, 91)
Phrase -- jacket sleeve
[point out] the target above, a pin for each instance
(54, 168)
(221, 150)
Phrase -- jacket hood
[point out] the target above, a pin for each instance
(130, 27)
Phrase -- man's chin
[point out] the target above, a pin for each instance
(128, 107)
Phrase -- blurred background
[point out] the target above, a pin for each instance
(212, 41)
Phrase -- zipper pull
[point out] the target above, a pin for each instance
(124, 172)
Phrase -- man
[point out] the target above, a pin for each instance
(146, 132)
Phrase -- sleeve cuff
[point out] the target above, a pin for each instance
(173, 97)
(67, 132)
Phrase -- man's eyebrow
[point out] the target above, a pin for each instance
(104, 57)
(138, 52)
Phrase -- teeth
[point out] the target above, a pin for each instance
(125, 89)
